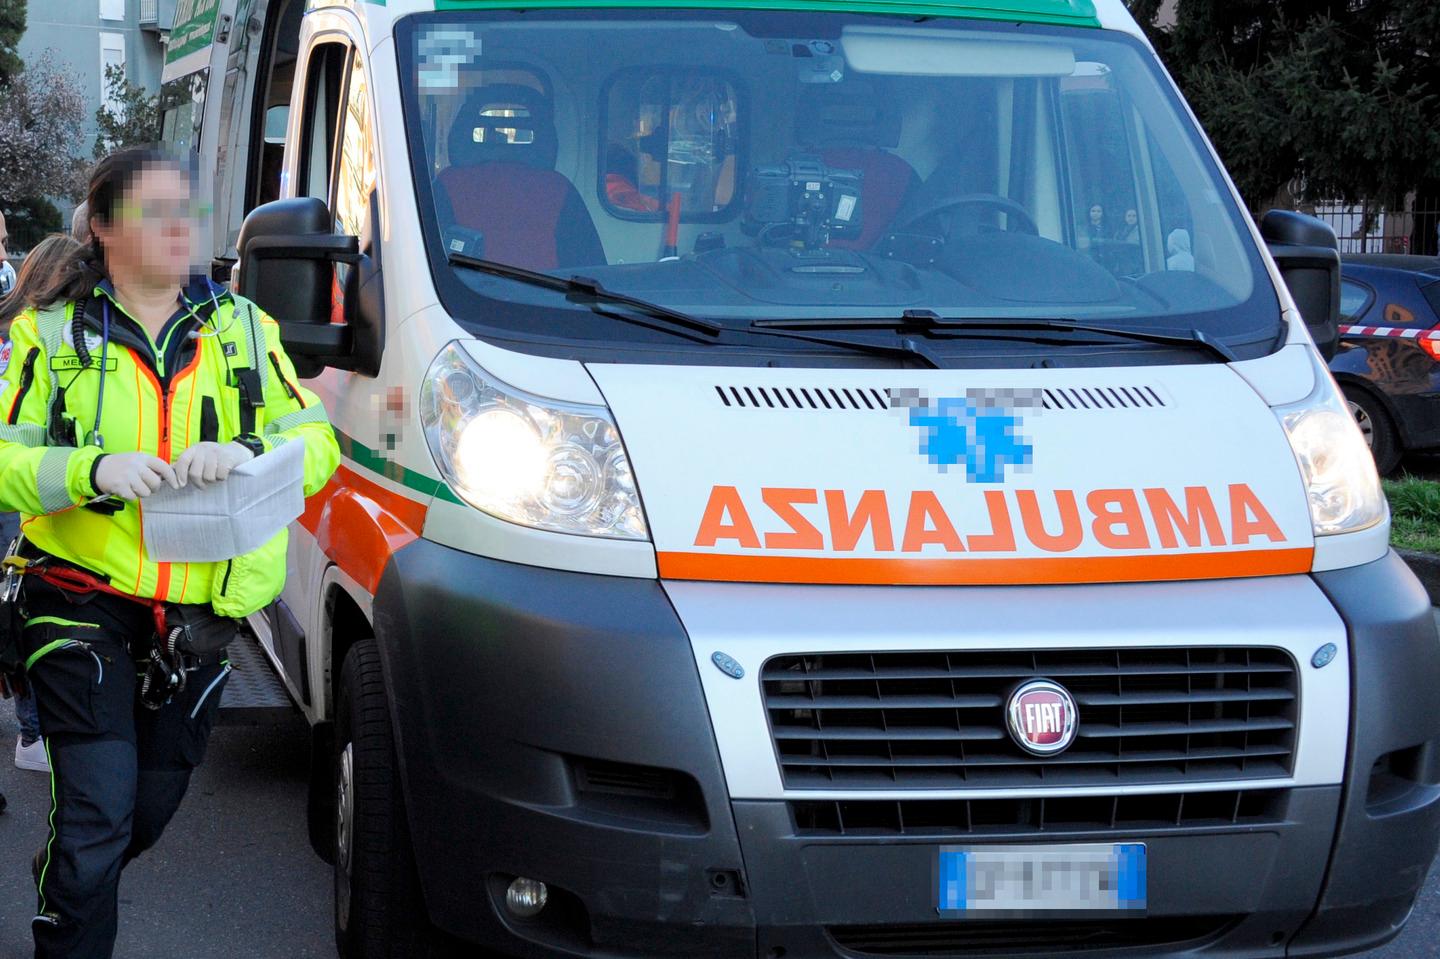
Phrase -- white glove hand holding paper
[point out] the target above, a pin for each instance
(219, 521)
(206, 463)
(133, 475)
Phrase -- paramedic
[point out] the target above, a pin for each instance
(132, 374)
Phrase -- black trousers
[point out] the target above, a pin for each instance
(117, 769)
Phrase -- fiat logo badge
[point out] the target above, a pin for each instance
(1042, 717)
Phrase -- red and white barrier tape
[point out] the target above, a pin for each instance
(1404, 332)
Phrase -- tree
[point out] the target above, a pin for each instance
(134, 119)
(1338, 98)
(29, 220)
(12, 28)
(41, 123)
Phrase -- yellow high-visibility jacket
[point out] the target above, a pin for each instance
(218, 371)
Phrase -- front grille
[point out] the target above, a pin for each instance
(936, 720)
(969, 817)
(1029, 936)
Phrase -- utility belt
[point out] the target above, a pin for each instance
(185, 636)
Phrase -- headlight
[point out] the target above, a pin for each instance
(533, 461)
(1339, 473)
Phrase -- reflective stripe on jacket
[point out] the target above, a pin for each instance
(48, 398)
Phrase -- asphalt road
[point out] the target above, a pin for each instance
(234, 877)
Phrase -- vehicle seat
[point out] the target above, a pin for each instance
(848, 126)
(502, 181)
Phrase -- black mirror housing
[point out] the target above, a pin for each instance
(287, 250)
(364, 297)
(1308, 256)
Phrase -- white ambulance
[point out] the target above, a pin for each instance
(822, 478)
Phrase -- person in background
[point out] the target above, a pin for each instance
(7, 272)
(41, 267)
(1178, 248)
(80, 223)
(1129, 231)
(37, 273)
(1095, 226)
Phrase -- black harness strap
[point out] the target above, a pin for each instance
(209, 421)
(251, 397)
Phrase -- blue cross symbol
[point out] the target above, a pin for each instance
(985, 438)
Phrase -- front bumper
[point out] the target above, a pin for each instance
(553, 725)
(1387, 835)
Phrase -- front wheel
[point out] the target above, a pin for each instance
(1375, 425)
(379, 912)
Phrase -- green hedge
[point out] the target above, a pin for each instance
(1415, 509)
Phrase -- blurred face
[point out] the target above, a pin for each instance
(1131, 218)
(4, 237)
(1097, 213)
(148, 239)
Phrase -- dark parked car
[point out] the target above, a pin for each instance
(1388, 362)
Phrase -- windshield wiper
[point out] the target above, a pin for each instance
(583, 289)
(927, 322)
(909, 348)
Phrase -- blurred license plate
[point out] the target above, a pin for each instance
(1071, 878)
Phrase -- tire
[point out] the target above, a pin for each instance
(379, 912)
(1379, 430)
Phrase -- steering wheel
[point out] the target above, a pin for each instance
(1018, 217)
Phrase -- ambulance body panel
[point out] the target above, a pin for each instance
(839, 566)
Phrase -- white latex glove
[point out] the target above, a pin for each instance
(133, 475)
(206, 463)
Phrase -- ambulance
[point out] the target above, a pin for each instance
(830, 478)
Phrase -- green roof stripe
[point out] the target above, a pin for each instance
(1073, 13)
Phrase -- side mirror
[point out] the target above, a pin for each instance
(1308, 255)
(287, 254)
(364, 298)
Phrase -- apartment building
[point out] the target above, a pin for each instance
(89, 35)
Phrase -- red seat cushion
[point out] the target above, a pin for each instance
(887, 178)
(518, 209)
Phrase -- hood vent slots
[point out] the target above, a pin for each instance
(1056, 399)
(1101, 398)
(802, 398)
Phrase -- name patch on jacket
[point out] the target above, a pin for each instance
(63, 363)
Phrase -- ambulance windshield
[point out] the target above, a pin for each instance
(741, 166)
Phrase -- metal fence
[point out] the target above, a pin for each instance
(149, 11)
(1363, 229)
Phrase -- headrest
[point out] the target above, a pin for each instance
(504, 123)
(851, 113)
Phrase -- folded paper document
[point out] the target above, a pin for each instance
(229, 518)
